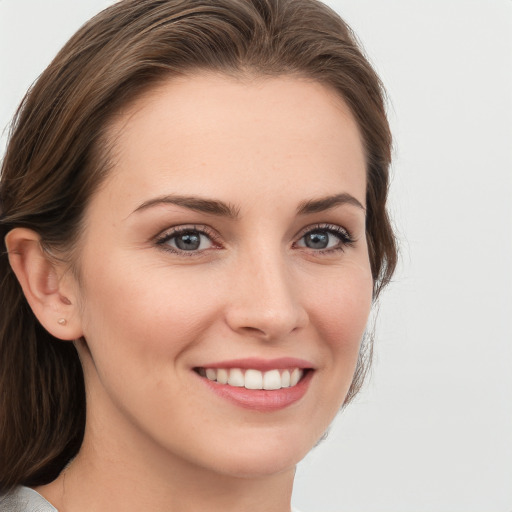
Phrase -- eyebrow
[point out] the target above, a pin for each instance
(222, 209)
(327, 203)
(198, 204)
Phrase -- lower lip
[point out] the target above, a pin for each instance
(261, 400)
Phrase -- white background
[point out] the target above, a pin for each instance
(432, 431)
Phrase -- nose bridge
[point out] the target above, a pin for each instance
(266, 301)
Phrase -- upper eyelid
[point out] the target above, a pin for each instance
(343, 234)
(161, 240)
(324, 226)
(170, 232)
(183, 228)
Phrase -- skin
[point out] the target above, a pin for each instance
(156, 437)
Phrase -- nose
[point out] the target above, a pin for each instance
(265, 299)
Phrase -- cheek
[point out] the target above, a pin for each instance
(339, 312)
(341, 308)
(147, 314)
(340, 315)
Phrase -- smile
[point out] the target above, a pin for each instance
(258, 384)
(253, 379)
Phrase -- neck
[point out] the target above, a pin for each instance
(134, 476)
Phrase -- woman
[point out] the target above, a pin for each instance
(193, 206)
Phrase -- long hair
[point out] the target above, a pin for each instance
(57, 156)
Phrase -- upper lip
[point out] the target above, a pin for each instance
(254, 363)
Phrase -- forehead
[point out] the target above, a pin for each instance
(223, 136)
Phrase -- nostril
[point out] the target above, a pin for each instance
(254, 330)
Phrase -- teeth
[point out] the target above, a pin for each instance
(295, 376)
(236, 378)
(272, 380)
(254, 379)
(222, 376)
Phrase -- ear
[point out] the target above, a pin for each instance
(49, 287)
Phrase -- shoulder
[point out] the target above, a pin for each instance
(24, 499)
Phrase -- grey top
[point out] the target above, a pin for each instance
(24, 499)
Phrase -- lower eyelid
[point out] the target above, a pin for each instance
(342, 234)
(214, 241)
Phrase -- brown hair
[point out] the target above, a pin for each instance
(56, 158)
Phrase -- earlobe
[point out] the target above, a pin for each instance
(45, 283)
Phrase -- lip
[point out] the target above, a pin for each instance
(261, 400)
(281, 363)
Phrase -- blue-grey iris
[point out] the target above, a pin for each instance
(188, 241)
(317, 240)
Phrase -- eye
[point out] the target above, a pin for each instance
(186, 240)
(325, 238)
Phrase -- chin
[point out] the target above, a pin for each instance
(266, 456)
(249, 466)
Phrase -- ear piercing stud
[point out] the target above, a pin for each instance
(62, 321)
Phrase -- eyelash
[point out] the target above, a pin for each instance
(163, 239)
(343, 235)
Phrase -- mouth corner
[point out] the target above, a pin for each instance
(199, 370)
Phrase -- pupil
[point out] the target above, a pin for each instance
(188, 241)
(317, 240)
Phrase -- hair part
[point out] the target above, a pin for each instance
(58, 155)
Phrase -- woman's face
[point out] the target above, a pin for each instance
(228, 242)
